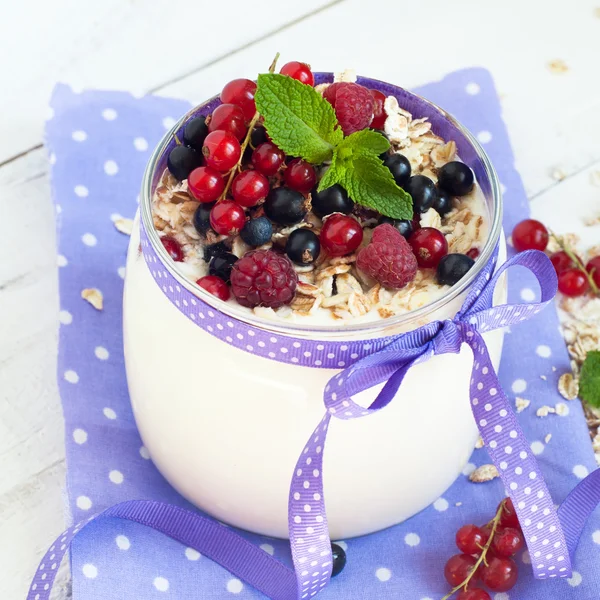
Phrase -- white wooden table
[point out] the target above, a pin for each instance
(189, 49)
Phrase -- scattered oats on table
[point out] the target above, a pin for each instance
(558, 66)
(548, 438)
(544, 411)
(558, 174)
(561, 409)
(521, 404)
(479, 443)
(568, 386)
(484, 473)
(124, 225)
(94, 297)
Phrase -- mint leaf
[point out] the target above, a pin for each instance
(298, 119)
(368, 182)
(589, 379)
(366, 140)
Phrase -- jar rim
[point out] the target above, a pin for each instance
(368, 328)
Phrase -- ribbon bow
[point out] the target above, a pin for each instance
(551, 535)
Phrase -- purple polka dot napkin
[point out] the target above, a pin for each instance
(98, 144)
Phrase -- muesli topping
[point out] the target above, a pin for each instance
(336, 201)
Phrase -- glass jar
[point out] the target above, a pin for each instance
(226, 427)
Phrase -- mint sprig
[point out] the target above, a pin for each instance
(589, 379)
(299, 120)
(302, 123)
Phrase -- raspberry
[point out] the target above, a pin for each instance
(388, 258)
(263, 278)
(353, 105)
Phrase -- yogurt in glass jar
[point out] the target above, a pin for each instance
(226, 427)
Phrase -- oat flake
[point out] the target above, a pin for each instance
(484, 473)
(94, 297)
(124, 225)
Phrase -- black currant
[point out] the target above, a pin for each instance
(423, 192)
(202, 217)
(338, 557)
(217, 249)
(194, 132)
(221, 265)
(285, 206)
(257, 232)
(405, 227)
(258, 136)
(443, 204)
(399, 167)
(330, 200)
(456, 178)
(303, 246)
(182, 161)
(452, 268)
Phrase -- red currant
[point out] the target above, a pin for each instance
(500, 574)
(299, 71)
(300, 176)
(530, 235)
(221, 150)
(509, 517)
(267, 158)
(473, 253)
(474, 594)
(458, 568)
(241, 92)
(216, 286)
(205, 184)
(593, 268)
(379, 115)
(561, 261)
(470, 539)
(227, 217)
(341, 235)
(507, 542)
(249, 188)
(228, 117)
(429, 246)
(573, 283)
(173, 247)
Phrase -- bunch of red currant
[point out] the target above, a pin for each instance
(245, 183)
(573, 278)
(486, 556)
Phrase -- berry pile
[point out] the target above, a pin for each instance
(574, 279)
(486, 556)
(248, 189)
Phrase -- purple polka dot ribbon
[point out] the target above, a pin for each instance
(551, 535)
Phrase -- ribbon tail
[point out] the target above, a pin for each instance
(577, 507)
(520, 473)
(217, 542)
(309, 532)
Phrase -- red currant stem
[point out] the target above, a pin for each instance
(246, 141)
(569, 252)
(274, 63)
(234, 171)
(494, 523)
(177, 140)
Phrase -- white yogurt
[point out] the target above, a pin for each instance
(226, 427)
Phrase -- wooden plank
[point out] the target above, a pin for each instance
(31, 423)
(113, 44)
